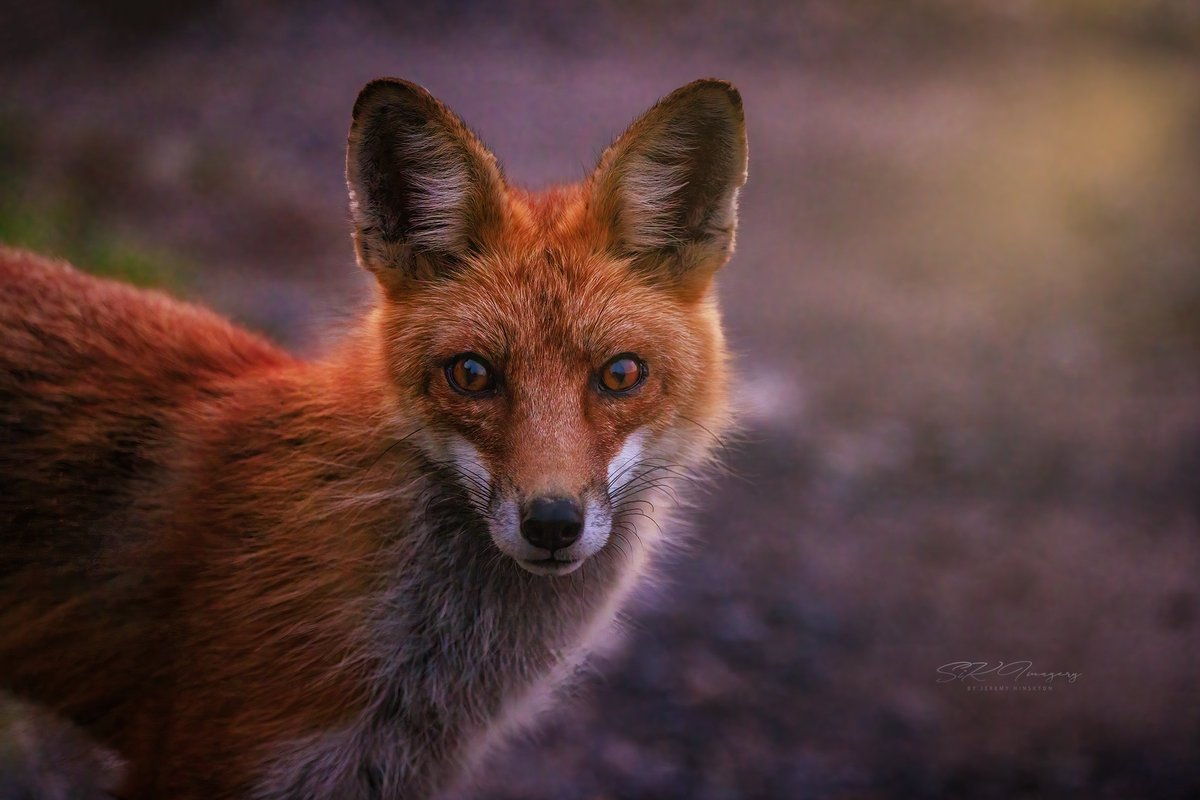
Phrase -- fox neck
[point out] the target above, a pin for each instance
(466, 647)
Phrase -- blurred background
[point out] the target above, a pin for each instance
(966, 303)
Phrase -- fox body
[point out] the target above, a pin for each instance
(258, 577)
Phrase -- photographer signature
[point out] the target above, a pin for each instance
(1000, 671)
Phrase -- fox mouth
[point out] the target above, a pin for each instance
(550, 566)
(542, 556)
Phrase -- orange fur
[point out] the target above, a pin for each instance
(254, 576)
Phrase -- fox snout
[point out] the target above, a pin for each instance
(550, 533)
(552, 523)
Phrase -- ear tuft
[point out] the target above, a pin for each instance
(667, 188)
(424, 191)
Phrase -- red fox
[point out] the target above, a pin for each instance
(259, 577)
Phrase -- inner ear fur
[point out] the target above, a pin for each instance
(424, 191)
(666, 191)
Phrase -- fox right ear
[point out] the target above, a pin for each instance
(666, 191)
(424, 191)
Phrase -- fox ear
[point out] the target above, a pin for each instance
(424, 191)
(667, 189)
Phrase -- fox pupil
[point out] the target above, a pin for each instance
(470, 374)
(622, 374)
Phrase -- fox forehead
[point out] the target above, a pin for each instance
(516, 308)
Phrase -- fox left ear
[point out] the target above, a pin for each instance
(424, 191)
(667, 189)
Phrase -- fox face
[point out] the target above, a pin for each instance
(557, 354)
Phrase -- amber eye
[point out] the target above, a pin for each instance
(470, 374)
(622, 373)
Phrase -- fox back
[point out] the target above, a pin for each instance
(258, 577)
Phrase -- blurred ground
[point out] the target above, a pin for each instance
(967, 299)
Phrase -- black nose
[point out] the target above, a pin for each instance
(552, 522)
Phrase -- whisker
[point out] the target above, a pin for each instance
(639, 513)
(395, 444)
(636, 501)
(721, 443)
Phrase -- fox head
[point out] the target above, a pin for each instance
(559, 353)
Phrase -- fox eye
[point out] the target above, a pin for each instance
(470, 374)
(622, 373)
